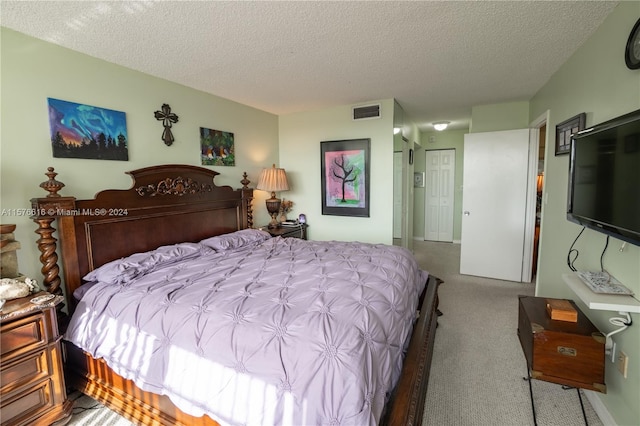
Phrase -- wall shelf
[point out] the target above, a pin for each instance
(604, 302)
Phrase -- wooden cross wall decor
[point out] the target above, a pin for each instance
(168, 118)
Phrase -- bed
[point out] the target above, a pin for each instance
(175, 227)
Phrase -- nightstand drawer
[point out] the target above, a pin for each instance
(24, 371)
(32, 387)
(23, 335)
(23, 408)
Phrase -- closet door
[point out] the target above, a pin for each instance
(439, 194)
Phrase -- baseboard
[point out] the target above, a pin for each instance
(419, 238)
(599, 408)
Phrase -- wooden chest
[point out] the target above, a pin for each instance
(563, 352)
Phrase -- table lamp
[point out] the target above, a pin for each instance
(273, 179)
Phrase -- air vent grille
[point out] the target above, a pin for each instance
(367, 112)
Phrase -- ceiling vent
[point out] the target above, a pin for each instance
(367, 112)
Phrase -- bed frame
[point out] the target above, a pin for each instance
(169, 204)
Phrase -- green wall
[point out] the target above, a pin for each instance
(594, 80)
(33, 70)
(300, 137)
(497, 117)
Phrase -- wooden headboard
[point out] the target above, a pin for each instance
(166, 204)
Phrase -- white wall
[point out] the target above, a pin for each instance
(300, 137)
(33, 70)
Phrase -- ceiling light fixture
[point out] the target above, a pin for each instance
(441, 125)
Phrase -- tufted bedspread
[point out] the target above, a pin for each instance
(267, 331)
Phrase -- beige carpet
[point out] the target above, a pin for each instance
(478, 365)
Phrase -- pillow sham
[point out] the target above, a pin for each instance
(236, 239)
(122, 271)
(79, 292)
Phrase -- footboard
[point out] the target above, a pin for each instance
(407, 402)
(94, 378)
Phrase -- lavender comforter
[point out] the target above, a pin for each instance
(256, 330)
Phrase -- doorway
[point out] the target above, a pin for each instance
(539, 131)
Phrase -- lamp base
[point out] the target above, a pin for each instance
(273, 207)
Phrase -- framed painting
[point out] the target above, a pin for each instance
(85, 131)
(345, 177)
(567, 128)
(217, 148)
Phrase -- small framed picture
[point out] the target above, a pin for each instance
(567, 128)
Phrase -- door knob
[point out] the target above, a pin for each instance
(466, 213)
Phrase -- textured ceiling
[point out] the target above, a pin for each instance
(438, 59)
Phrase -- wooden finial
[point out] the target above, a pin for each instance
(52, 186)
(245, 182)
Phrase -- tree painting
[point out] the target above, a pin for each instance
(85, 131)
(345, 177)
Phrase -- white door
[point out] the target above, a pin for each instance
(397, 194)
(494, 204)
(439, 195)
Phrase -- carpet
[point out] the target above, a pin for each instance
(478, 365)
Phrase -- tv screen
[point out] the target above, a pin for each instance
(604, 178)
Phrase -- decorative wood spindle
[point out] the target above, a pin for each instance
(45, 211)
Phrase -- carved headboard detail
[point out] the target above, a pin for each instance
(166, 204)
(178, 186)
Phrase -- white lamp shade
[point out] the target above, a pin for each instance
(273, 179)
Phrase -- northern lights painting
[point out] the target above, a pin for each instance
(85, 131)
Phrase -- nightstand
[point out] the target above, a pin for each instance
(298, 231)
(32, 384)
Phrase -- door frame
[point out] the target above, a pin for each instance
(530, 221)
(398, 216)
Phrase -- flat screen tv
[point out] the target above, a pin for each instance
(604, 178)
